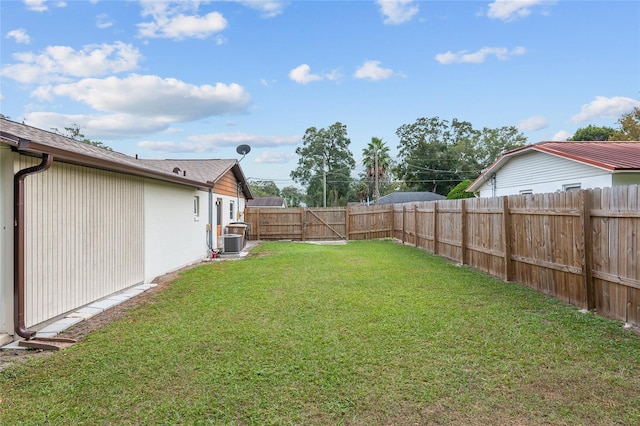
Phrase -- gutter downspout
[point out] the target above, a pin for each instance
(210, 227)
(19, 245)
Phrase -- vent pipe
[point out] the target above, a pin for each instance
(19, 245)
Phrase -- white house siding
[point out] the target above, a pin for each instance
(543, 173)
(6, 240)
(84, 237)
(174, 238)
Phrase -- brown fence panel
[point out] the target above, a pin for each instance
(547, 245)
(449, 229)
(485, 238)
(274, 223)
(370, 222)
(615, 224)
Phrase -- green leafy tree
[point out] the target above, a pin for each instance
(592, 133)
(629, 127)
(377, 163)
(264, 188)
(325, 165)
(73, 132)
(459, 191)
(436, 155)
(293, 196)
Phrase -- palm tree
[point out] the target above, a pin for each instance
(376, 161)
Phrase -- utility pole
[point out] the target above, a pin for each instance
(324, 182)
(376, 191)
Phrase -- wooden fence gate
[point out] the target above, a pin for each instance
(298, 224)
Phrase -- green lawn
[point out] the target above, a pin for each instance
(360, 334)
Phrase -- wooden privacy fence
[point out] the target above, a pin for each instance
(581, 247)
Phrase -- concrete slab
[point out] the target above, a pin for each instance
(89, 310)
(106, 303)
(60, 325)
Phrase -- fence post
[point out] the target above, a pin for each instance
(435, 227)
(393, 220)
(463, 230)
(258, 222)
(346, 223)
(404, 208)
(587, 248)
(506, 235)
(303, 216)
(415, 222)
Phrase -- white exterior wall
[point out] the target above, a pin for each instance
(6, 240)
(174, 238)
(543, 173)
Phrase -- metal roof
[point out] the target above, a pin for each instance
(408, 197)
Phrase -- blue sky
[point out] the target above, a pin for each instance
(194, 79)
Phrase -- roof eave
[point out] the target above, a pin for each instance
(36, 148)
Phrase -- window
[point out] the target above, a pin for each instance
(196, 207)
(571, 187)
(526, 191)
(231, 208)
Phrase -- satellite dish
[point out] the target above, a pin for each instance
(243, 149)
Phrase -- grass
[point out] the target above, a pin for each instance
(360, 334)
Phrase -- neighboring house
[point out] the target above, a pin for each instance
(560, 166)
(409, 197)
(88, 222)
(270, 202)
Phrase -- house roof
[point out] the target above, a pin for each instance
(614, 157)
(266, 202)
(210, 170)
(33, 141)
(408, 197)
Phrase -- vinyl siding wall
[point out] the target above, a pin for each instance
(543, 173)
(84, 237)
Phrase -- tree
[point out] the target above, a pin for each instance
(264, 188)
(592, 133)
(629, 127)
(73, 132)
(377, 162)
(459, 191)
(436, 155)
(293, 196)
(325, 165)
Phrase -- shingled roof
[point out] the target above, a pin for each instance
(199, 173)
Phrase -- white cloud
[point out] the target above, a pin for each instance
(272, 157)
(170, 21)
(19, 35)
(373, 71)
(100, 127)
(36, 5)
(103, 21)
(42, 5)
(464, 56)
(397, 12)
(562, 135)
(509, 10)
(57, 63)
(603, 107)
(152, 96)
(268, 8)
(302, 74)
(532, 124)
(211, 142)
